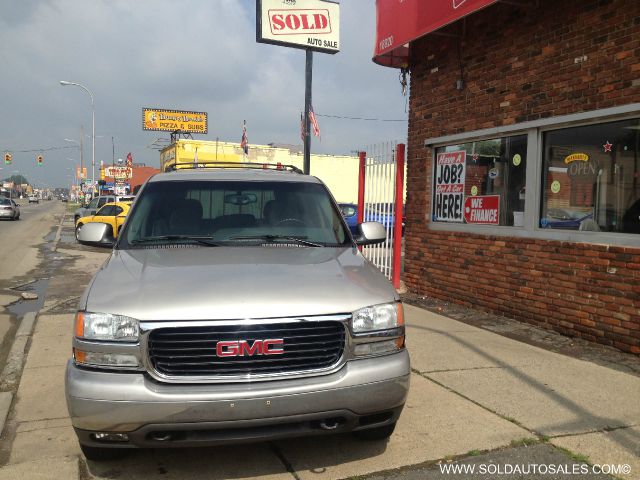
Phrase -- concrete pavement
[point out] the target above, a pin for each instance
(472, 391)
(516, 392)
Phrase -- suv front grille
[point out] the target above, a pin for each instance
(191, 350)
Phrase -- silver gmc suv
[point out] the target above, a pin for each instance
(235, 306)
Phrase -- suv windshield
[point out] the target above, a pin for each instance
(234, 213)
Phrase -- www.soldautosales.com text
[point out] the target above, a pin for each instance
(533, 469)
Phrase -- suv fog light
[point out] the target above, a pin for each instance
(110, 437)
(376, 348)
(105, 359)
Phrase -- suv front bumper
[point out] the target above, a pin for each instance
(363, 394)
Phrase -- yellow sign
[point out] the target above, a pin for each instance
(174, 121)
(576, 157)
(517, 160)
(474, 190)
(555, 186)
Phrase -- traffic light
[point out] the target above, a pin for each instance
(39, 160)
(7, 158)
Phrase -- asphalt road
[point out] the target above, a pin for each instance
(22, 264)
(20, 239)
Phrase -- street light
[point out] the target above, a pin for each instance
(93, 130)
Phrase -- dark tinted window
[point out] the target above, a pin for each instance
(227, 210)
(107, 211)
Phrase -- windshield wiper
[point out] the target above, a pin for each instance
(272, 238)
(202, 239)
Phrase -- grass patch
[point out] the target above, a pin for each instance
(473, 453)
(524, 442)
(578, 457)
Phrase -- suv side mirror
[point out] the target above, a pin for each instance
(371, 233)
(97, 234)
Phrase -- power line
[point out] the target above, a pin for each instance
(39, 149)
(361, 118)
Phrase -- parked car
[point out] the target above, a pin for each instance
(113, 214)
(9, 209)
(98, 202)
(234, 307)
(379, 212)
(565, 218)
(34, 199)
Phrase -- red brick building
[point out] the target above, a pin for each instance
(523, 185)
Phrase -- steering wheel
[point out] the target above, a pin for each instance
(294, 221)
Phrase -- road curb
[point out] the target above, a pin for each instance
(6, 398)
(10, 377)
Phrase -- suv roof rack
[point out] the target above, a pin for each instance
(215, 164)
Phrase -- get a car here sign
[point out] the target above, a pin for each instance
(449, 186)
(307, 24)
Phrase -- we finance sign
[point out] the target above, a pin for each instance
(308, 24)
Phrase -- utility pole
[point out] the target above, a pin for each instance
(308, 80)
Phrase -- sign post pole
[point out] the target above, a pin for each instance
(308, 77)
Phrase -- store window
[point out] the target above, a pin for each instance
(481, 182)
(591, 178)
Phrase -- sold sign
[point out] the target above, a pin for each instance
(482, 209)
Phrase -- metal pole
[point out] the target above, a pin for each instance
(308, 77)
(361, 185)
(397, 240)
(81, 150)
(93, 145)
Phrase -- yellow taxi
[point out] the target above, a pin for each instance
(113, 214)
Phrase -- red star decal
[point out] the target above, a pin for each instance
(475, 157)
(607, 146)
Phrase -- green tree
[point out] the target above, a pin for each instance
(17, 179)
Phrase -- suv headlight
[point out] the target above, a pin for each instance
(377, 317)
(106, 327)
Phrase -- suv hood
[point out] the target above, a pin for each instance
(202, 283)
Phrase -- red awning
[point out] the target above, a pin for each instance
(399, 22)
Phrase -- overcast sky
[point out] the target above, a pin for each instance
(196, 55)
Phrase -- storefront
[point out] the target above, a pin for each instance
(523, 188)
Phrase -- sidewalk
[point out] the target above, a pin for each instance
(472, 391)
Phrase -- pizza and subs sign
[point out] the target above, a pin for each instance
(449, 186)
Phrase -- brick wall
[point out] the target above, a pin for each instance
(524, 64)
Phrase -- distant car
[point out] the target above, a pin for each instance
(33, 199)
(113, 214)
(64, 198)
(378, 212)
(9, 209)
(97, 203)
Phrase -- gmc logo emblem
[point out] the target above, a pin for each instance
(241, 348)
(286, 22)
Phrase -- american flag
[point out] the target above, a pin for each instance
(244, 143)
(314, 122)
(303, 132)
